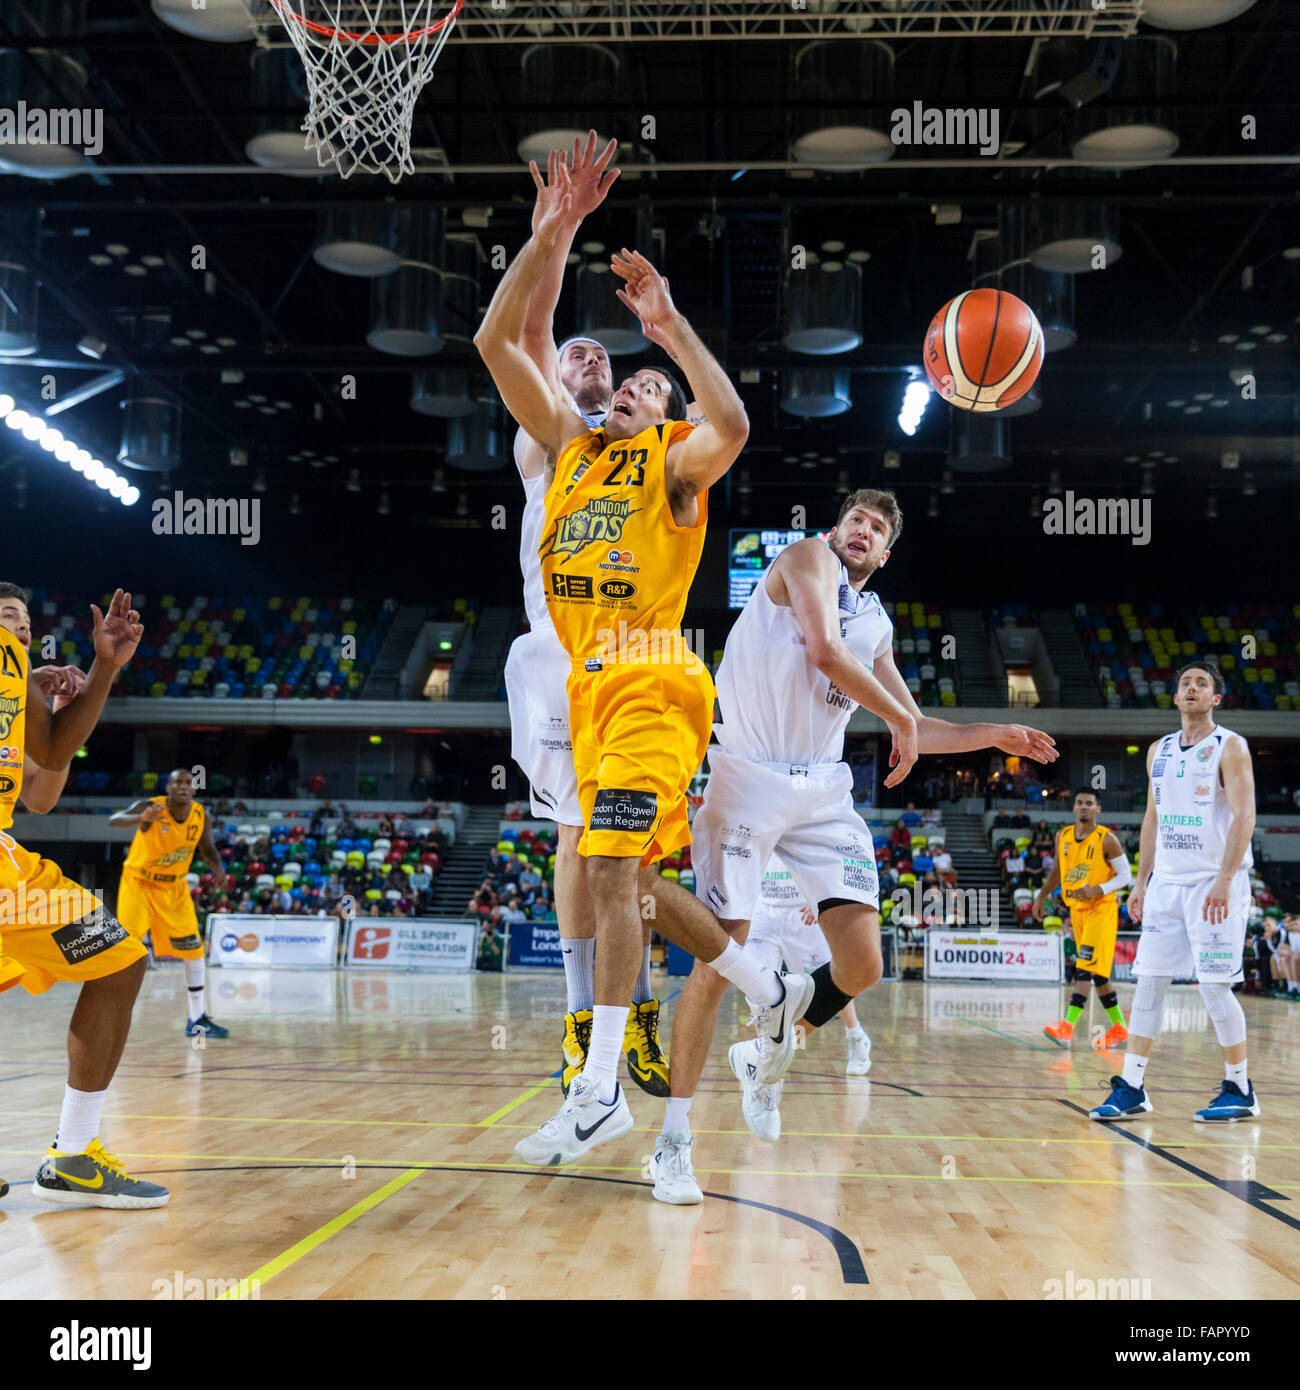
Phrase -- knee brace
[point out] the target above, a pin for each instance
(1225, 1013)
(1148, 1013)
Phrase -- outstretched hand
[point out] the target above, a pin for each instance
(645, 293)
(554, 195)
(118, 635)
(590, 175)
(1024, 742)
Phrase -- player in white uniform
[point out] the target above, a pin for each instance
(811, 645)
(1193, 893)
(785, 929)
(537, 667)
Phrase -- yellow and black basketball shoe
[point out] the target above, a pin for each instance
(646, 1064)
(94, 1178)
(577, 1039)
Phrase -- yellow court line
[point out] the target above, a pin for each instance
(512, 1104)
(525, 1169)
(294, 1253)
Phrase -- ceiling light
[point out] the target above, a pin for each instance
(115, 248)
(131, 496)
(98, 258)
(7, 404)
(65, 451)
(1227, 337)
(50, 439)
(32, 427)
(136, 270)
(1259, 329)
(92, 346)
(1276, 338)
(153, 262)
(1175, 405)
(16, 419)
(118, 486)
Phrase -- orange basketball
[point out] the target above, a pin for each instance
(983, 350)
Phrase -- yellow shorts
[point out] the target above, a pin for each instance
(1094, 934)
(52, 929)
(639, 735)
(165, 912)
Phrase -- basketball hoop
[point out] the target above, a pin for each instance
(367, 62)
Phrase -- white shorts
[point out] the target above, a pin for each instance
(1177, 940)
(537, 671)
(751, 809)
(802, 945)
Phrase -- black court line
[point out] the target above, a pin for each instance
(1253, 1193)
(24, 1077)
(851, 1267)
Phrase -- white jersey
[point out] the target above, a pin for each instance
(530, 532)
(1192, 811)
(777, 707)
(779, 890)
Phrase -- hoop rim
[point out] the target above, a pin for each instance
(287, 12)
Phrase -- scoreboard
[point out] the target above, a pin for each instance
(750, 552)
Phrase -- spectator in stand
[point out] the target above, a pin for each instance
(1013, 870)
(901, 837)
(239, 809)
(512, 913)
(911, 816)
(489, 948)
(347, 826)
(494, 865)
(1034, 869)
(1043, 841)
(395, 878)
(386, 826)
(922, 864)
(403, 827)
(484, 900)
(931, 820)
(542, 907)
(888, 882)
(529, 877)
(943, 866)
(420, 881)
(429, 811)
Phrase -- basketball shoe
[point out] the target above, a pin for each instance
(646, 1064)
(1062, 1033)
(774, 1027)
(1230, 1105)
(674, 1177)
(859, 1060)
(206, 1027)
(1126, 1102)
(582, 1122)
(95, 1178)
(577, 1039)
(761, 1104)
(1116, 1036)
(4, 1187)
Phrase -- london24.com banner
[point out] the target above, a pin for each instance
(256, 941)
(410, 944)
(970, 955)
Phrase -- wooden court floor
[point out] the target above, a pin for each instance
(352, 1139)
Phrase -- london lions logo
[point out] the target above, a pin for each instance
(10, 708)
(600, 522)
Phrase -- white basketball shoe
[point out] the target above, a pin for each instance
(761, 1104)
(674, 1177)
(774, 1027)
(859, 1062)
(577, 1127)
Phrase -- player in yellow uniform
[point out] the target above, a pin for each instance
(1090, 869)
(52, 929)
(626, 507)
(153, 895)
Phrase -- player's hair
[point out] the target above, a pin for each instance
(879, 500)
(676, 408)
(15, 591)
(1209, 667)
(1087, 791)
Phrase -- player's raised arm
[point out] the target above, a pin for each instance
(698, 461)
(527, 394)
(590, 179)
(53, 738)
(808, 571)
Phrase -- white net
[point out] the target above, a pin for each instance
(367, 62)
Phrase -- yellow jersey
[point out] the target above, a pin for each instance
(161, 852)
(1083, 862)
(13, 722)
(614, 561)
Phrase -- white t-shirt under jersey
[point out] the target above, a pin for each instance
(530, 532)
(1192, 814)
(776, 706)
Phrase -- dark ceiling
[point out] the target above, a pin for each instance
(179, 110)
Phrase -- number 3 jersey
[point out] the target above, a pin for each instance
(1192, 813)
(611, 552)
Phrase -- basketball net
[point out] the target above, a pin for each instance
(367, 62)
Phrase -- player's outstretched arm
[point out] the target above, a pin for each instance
(526, 393)
(590, 179)
(805, 575)
(698, 461)
(142, 812)
(54, 737)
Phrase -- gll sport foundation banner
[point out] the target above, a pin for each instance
(414, 943)
(256, 942)
(971, 955)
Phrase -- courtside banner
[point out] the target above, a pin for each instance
(258, 942)
(416, 943)
(970, 955)
(535, 943)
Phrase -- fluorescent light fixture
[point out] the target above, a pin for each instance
(50, 439)
(915, 399)
(16, 419)
(131, 496)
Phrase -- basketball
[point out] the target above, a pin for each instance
(983, 350)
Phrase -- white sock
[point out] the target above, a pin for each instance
(1134, 1069)
(79, 1120)
(642, 991)
(766, 954)
(1236, 1071)
(609, 1023)
(857, 1032)
(195, 975)
(677, 1117)
(579, 961)
(1293, 985)
(749, 976)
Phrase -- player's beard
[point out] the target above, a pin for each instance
(590, 395)
(857, 569)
